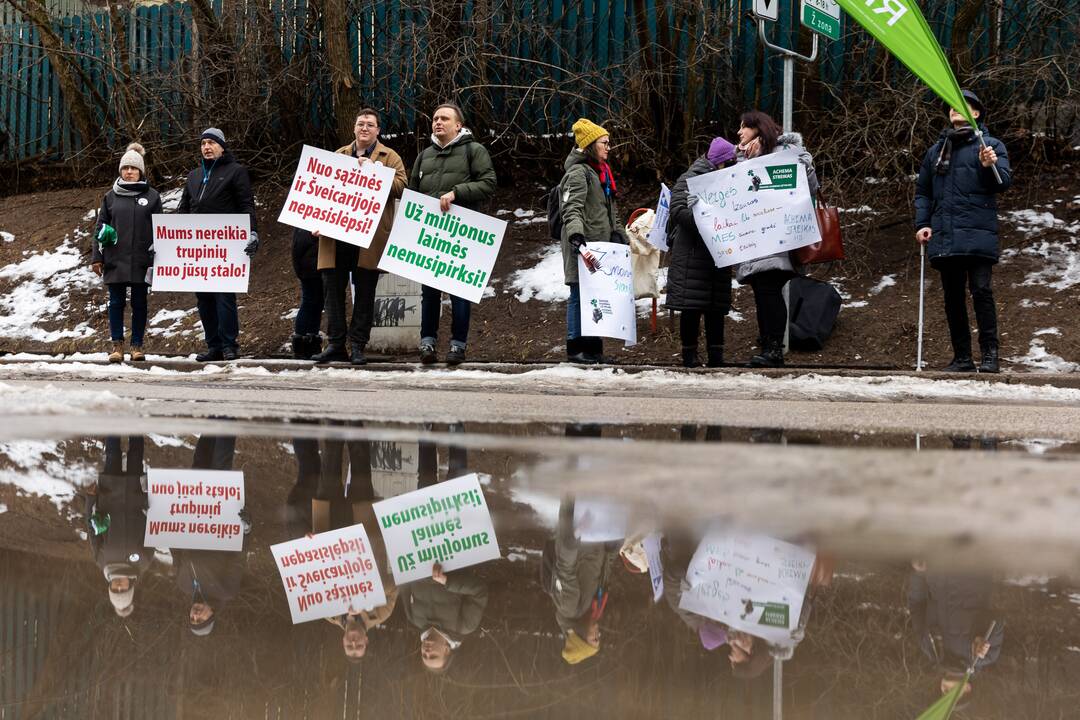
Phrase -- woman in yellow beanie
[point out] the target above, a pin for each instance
(587, 195)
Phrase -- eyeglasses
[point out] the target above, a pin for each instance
(367, 126)
(605, 143)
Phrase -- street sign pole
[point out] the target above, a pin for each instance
(790, 56)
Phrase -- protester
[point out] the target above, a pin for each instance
(951, 615)
(219, 185)
(587, 195)
(457, 170)
(116, 522)
(340, 260)
(956, 218)
(123, 249)
(211, 579)
(760, 135)
(446, 607)
(305, 341)
(696, 287)
(578, 587)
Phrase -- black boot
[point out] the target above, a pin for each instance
(312, 345)
(211, 355)
(716, 356)
(771, 355)
(690, 357)
(332, 353)
(574, 353)
(358, 355)
(989, 362)
(961, 363)
(300, 347)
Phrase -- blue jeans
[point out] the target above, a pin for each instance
(117, 302)
(431, 308)
(573, 313)
(220, 321)
(309, 316)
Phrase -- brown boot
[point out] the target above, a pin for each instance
(117, 354)
(137, 354)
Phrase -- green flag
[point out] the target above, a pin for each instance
(942, 709)
(900, 26)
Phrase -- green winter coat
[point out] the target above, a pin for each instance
(463, 166)
(585, 211)
(454, 608)
(580, 570)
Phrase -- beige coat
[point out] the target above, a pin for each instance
(369, 257)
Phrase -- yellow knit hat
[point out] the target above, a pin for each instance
(577, 650)
(586, 132)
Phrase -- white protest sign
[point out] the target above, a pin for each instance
(452, 251)
(329, 574)
(607, 295)
(201, 253)
(448, 523)
(656, 564)
(751, 583)
(194, 509)
(756, 208)
(658, 234)
(336, 195)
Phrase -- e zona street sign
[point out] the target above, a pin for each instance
(821, 16)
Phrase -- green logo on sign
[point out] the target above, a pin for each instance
(776, 177)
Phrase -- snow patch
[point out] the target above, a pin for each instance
(1031, 222)
(1040, 359)
(49, 400)
(6, 236)
(290, 314)
(1038, 446)
(885, 282)
(1048, 331)
(3, 508)
(855, 304)
(543, 281)
(170, 200)
(36, 467)
(1028, 303)
(91, 214)
(861, 210)
(169, 441)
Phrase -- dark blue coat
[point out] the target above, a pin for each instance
(960, 206)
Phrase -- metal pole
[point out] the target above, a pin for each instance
(922, 303)
(789, 91)
(778, 690)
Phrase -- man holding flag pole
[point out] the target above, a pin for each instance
(956, 206)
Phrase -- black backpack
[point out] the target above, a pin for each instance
(554, 212)
(814, 306)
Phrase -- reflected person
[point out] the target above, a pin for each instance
(445, 608)
(116, 521)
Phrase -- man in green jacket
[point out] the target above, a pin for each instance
(457, 170)
(445, 608)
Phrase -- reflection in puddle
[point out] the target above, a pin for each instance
(594, 609)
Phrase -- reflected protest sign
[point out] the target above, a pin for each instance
(658, 234)
(607, 295)
(600, 519)
(201, 253)
(452, 251)
(329, 574)
(194, 509)
(756, 208)
(751, 583)
(337, 196)
(656, 564)
(448, 523)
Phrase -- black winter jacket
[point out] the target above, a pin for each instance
(132, 218)
(694, 281)
(961, 205)
(305, 255)
(227, 190)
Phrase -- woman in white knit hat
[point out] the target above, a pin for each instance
(124, 249)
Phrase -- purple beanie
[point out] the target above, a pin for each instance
(720, 152)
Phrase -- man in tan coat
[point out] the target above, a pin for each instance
(339, 260)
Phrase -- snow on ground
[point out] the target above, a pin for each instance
(6, 236)
(290, 314)
(175, 318)
(543, 281)
(39, 285)
(1038, 446)
(50, 401)
(36, 467)
(885, 282)
(1058, 259)
(1028, 303)
(91, 214)
(170, 200)
(861, 210)
(1031, 222)
(1039, 358)
(169, 441)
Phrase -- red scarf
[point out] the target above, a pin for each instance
(607, 178)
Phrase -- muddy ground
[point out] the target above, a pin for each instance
(877, 326)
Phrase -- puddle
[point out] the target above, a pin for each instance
(844, 628)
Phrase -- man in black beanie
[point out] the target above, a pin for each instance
(219, 185)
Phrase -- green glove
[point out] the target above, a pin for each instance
(106, 236)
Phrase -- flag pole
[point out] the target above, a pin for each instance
(982, 142)
(922, 296)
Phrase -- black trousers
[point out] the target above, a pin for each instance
(772, 314)
(336, 287)
(957, 276)
(690, 324)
